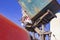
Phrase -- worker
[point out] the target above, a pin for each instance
(25, 18)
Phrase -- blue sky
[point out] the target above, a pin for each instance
(12, 10)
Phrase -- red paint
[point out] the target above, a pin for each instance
(10, 31)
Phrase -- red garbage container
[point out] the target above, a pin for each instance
(10, 31)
